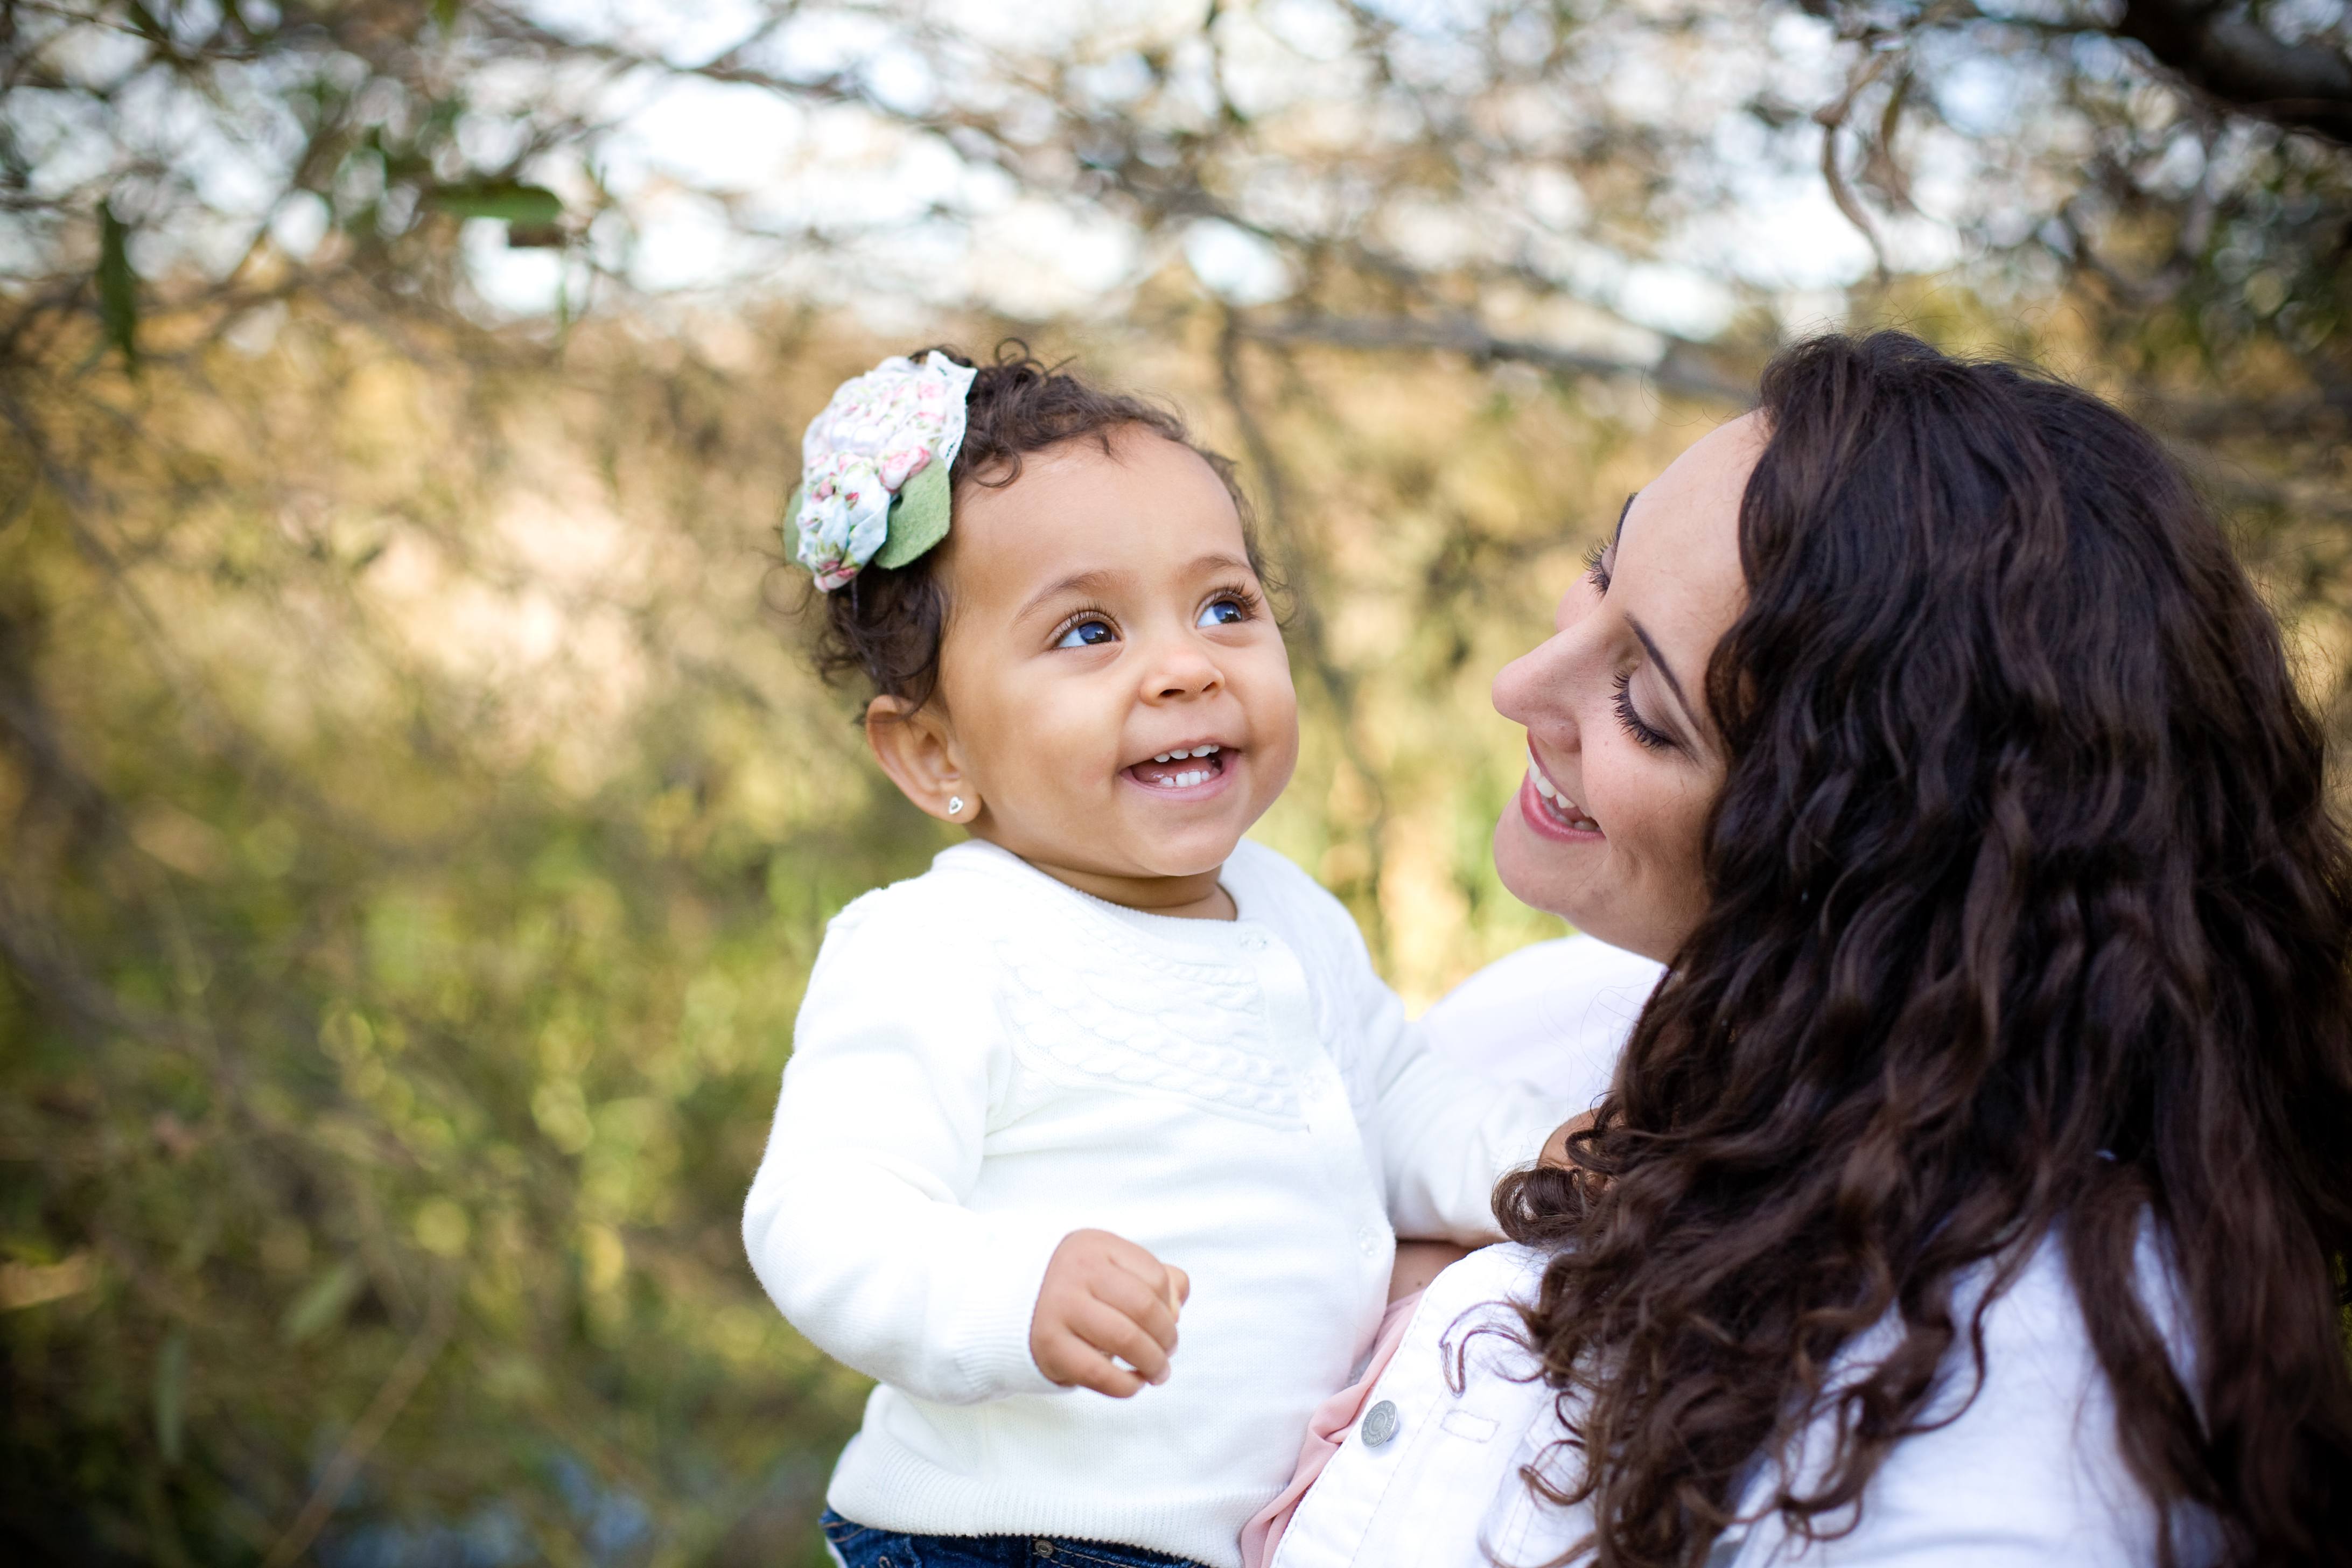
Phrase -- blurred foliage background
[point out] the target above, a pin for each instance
(418, 820)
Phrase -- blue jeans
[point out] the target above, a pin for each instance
(860, 1547)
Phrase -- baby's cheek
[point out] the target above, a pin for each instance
(1275, 702)
(1280, 759)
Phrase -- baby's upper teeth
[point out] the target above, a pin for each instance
(1165, 757)
(1202, 751)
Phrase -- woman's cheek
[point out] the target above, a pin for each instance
(1612, 798)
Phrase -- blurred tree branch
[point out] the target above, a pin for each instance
(335, 1477)
(2223, 50)
(1683, 371)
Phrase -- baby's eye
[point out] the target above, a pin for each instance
(1088, 634)
(1222, 613)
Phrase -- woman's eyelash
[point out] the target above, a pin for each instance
(1643, 734)
(1596, 566)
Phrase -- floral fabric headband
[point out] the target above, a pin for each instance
(874, 468)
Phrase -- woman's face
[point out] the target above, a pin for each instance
(1623, 763)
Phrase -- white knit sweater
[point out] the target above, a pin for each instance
(988, 1060)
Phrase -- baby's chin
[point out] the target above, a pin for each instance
(1159, 843)
(1194, 853)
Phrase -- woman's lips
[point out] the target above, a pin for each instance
(1550, 813)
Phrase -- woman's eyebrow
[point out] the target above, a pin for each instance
(1620, 518)
(1668, 671)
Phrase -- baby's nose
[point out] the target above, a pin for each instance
(1185, 672)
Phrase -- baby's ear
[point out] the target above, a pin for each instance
(916, 746)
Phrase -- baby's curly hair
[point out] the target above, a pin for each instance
(888, 624)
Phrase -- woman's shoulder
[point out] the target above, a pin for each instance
(2017, 1461)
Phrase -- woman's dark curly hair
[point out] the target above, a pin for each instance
(887, 624)
(2028, 922)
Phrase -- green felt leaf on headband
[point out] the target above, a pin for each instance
(790, 523)
(919, 516)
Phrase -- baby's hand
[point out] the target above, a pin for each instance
(1105, 1296)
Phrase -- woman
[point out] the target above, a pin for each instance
(1974, 1187)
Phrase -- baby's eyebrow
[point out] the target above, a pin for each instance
(1090, 583)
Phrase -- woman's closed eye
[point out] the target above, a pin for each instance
(1643, 735)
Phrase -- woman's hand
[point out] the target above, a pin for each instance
(1106, 1300)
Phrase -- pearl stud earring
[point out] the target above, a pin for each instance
(955, 805)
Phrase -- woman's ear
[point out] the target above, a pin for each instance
(916, 746)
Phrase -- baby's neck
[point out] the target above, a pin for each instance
(1195, 898)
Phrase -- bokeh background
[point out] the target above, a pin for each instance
(418, 818)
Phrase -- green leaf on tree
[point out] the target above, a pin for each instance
(117, 288)
(321, 1306)
(508, 199)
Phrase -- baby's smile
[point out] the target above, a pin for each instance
(1184, 768)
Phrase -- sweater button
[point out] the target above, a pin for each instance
(1380, 1423)
(1255, 942)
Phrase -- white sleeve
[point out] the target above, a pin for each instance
(1555, 1015)
(856, 1222)
(1445, 1133)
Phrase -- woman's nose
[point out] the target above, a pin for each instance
(1538, 690)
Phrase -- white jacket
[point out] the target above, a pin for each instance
(2028, 1476)
(988, 1060)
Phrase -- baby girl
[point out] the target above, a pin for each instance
(1106, 1063)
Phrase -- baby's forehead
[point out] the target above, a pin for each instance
(1120, 457)
(1147, 507)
